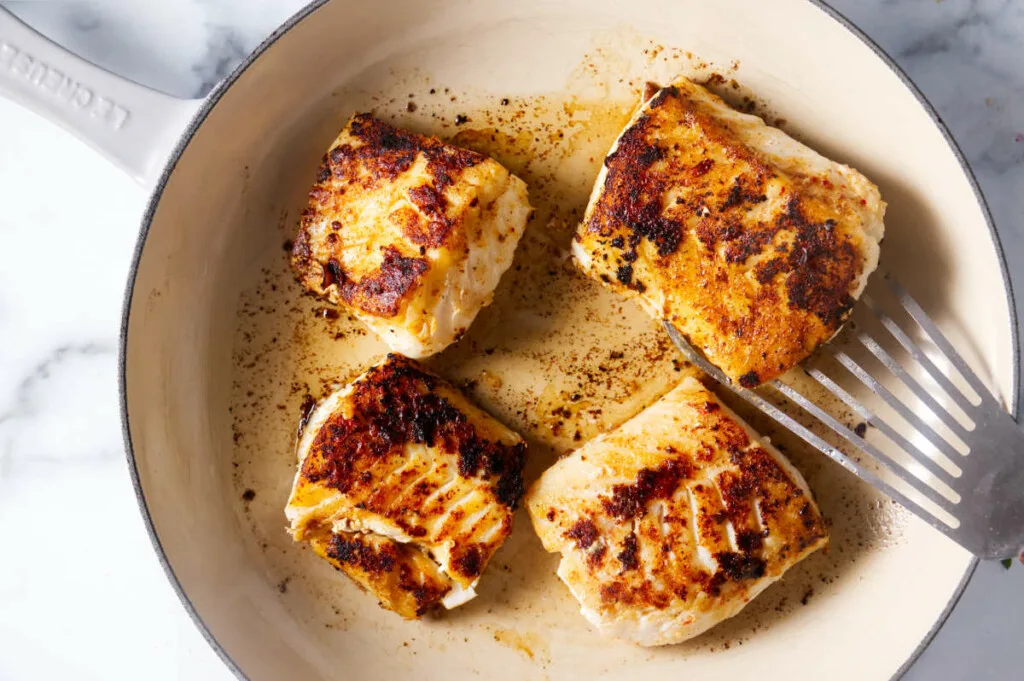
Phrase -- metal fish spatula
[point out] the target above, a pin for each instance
(892, 386)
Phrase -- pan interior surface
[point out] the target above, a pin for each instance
(223, 349)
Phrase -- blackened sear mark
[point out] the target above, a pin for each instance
(703, 167)
(632, 194)
(824, 268)
(510, 487)
(750, 379)
(323, 173)
(248, 495)
(469, 562)
(333, 274)
(746, 242)
(628, 556)
(355, 552)
(624, 274)
(766, 270)
(630, 501)
(749, 541)
(432, 203)
(305, 411)
(738, 566)
(861, 429)
(395, 404)
(381, 293)
(663, 94)
(741, 195)
(583, 532)
(651, 154)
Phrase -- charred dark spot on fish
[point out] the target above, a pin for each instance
(766, 270)
(630, 501)
(382, 292)
(744, 193)
(664, 94)
(323, 173)
(737, 566)
(434, 206)
(825, 267)
(750, 541)
(305, 411)
(583, 532)
(359, 554)
(468, 562)
(333, 274)
(749, 380)
(703, 167)
(628, 556)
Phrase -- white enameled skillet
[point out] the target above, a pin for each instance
(227, 175)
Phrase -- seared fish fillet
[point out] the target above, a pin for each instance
(406, 486)
(754, 246)
(409, 234)
(674, 521)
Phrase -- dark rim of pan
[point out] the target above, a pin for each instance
(214, 97)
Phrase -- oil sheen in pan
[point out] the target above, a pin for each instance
(555, 357)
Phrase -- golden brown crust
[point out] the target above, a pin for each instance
(759, 265)
(399, 455)
(368, 156)
(393, 405)
(678, 517)
(402, 577)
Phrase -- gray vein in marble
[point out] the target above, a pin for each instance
(44, 371)
(39, 394)
(224, 50)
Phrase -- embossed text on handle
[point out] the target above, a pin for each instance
(18, 64)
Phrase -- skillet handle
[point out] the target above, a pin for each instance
(133, 126)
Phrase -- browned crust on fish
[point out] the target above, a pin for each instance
(402, 578)
(683, 208)
(631, 548)
(372, 155)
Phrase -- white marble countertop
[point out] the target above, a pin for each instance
(81, 592)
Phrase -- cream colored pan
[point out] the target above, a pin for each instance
(220, 350)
